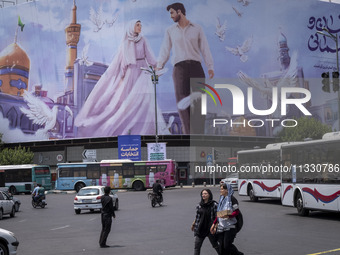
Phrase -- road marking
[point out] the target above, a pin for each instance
(60, 227)
(92, 219)
(324, 252)
(22, 220)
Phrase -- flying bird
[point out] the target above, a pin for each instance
(111, 21)
(241, 50)
(220, 29)
(244, 2)
(189, 100)
(289, 78)
(40, 113)
(237, 12)
(84, 57)
(96, 18)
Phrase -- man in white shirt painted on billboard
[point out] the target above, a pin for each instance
(188, 43)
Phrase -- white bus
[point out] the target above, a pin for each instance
(314, 181)
(259, 172)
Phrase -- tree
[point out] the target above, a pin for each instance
(17, 156)
(306, 128)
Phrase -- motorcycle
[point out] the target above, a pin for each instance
(41, 202)
(155, 199)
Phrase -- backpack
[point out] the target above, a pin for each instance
(239, 217)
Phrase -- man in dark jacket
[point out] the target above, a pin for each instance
(158, 189)
(107, 214)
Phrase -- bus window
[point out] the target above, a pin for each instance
(65, 172)
(79, 172)
(140, 170)
(161, 168)
(112, 170)
(128, 171)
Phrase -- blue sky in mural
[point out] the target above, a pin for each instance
(43, 37)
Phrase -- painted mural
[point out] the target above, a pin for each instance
(73, 69)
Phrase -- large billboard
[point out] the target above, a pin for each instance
(72, 69)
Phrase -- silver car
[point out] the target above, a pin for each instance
(16, 200)
(232, 180)
(89, 198)
(6, 205)
(8, 242)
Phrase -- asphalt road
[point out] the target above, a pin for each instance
(269, 228)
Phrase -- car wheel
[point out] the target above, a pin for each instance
(77, 211)
(17, 206)
(138, 186)
(3, 249)
(12, 190)
(13, 212)
(299, 206)
(1, 214)
(117, 205)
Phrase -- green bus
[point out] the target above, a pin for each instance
(23, 178)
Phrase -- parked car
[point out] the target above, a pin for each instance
(232, 180)
(6, 205)
(8, 242)
(88, 198)
(16, 200)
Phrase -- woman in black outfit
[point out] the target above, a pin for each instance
(205, 216)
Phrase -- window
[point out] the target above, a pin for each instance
(128, 171)
(65, 172)
(140, 170)
(111, 170)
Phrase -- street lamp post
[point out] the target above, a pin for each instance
(154, 78)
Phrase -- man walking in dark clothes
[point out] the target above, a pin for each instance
(107, 214)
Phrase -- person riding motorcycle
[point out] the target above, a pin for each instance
(158, 189)
(38, 192)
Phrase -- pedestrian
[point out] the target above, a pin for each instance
(224, 224)
(106, 216)
(187, 42)
(205, 216)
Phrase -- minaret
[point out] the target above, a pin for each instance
(283, 52)
(72, 32)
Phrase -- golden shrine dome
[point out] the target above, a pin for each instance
(14, 70)
(14, 55)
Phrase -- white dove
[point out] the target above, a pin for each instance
(84, 57)
(220, 29)
(40, 113)
(288, 79)
(189, 100)
(96, 18)
(112, 21)
(241, 50)
(244, 2)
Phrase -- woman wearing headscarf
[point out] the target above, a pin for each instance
(205, 216)
(122, 101)
(225, 225)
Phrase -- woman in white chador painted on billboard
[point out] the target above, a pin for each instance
(122, 102)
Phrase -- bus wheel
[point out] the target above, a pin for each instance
(79, 186)
(252, 195)
(12, 190)
(299, 206)
(138, 186)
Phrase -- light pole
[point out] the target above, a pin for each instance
(154, 78)
(335, 38)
